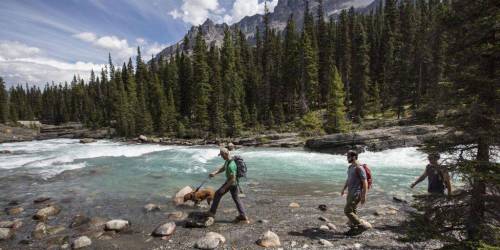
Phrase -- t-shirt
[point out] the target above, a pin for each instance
(231, 169)
(435, 180)
(355, 176)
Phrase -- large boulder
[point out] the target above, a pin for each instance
(269, 239)
(179, 196)
(44, 213)
(117, 225)
(80, 242)
(166, 229)
(211, 240)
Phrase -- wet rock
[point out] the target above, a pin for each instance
(82, 241)
(6, 233)
(40, 231)
(116, 225)
(177, 215)
(55, 230)
(15, 224)
(79, 220)
(15, 210)
(357, 245)
(179, 196)
(151, 207)
(97, 223)
(14, 203)
(64, 246)
(294, 205)
(87, 140)
(263, 221)
(325, 243)
(399, 200)
(365, 224)
(143, 138)
(5, 152)
(269, 239)
(41, 199)
(199, 220)
(166, 229)
(211, 240)
(321, 218)
(322, 207)
(324, 227)
(44, 213)
(331, 226)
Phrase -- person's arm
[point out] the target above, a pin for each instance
(364, 191)
(343, 189)
(420, 179)
(218, 171)
(447, 181)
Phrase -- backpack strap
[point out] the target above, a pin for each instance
(358, 168)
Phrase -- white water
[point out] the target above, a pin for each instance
(146, 168)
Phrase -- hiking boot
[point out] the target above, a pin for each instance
(241, 219)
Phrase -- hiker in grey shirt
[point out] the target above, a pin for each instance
(357, 187)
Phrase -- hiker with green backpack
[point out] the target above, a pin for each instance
(233, 168)
(357, 184)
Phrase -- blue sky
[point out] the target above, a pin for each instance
(50, 40)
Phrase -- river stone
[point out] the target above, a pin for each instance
(199, 219)
(15, 224)
(116, 225)
(45, 212)
(82, 241)
(294, 205)
(164, 230)
(151, 207)
(269, 239)
(331, 226)
(323, 207)
(321, 218)
(365, 224)
(55, 230)
(324, 227)
(325, 243)
(15, 210)
(87, 140)
(179, 196)
(6, 233)
(263, 221)
(40, 230)
(211, 240)
(177, 215)
(79, 220)
(41, 199)
(143, 138)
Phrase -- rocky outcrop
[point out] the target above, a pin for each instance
(74, 131)
(16, 134)
(378, 139)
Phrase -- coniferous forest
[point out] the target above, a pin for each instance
(393, 61)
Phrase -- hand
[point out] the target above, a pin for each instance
(412, 185)
(211, 175)
(342, 193)
(363, 200)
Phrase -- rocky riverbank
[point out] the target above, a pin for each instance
(301, 220)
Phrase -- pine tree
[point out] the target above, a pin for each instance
(335, 110)
(343, 55)
(4, 102)
(201, 87)
(323, 53)
(361, 77)
(216, 101)
(291, 67)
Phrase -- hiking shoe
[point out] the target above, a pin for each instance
(241, 219)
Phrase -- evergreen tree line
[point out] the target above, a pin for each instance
(390, 60)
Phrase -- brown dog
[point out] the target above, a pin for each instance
(200, 195)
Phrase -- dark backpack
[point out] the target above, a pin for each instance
(368, 172)
(241, 167)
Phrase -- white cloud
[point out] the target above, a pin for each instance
(243, 8)
(196, 11)
(86, 36)
(9, 49)
(20, 63)
(155, 48)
